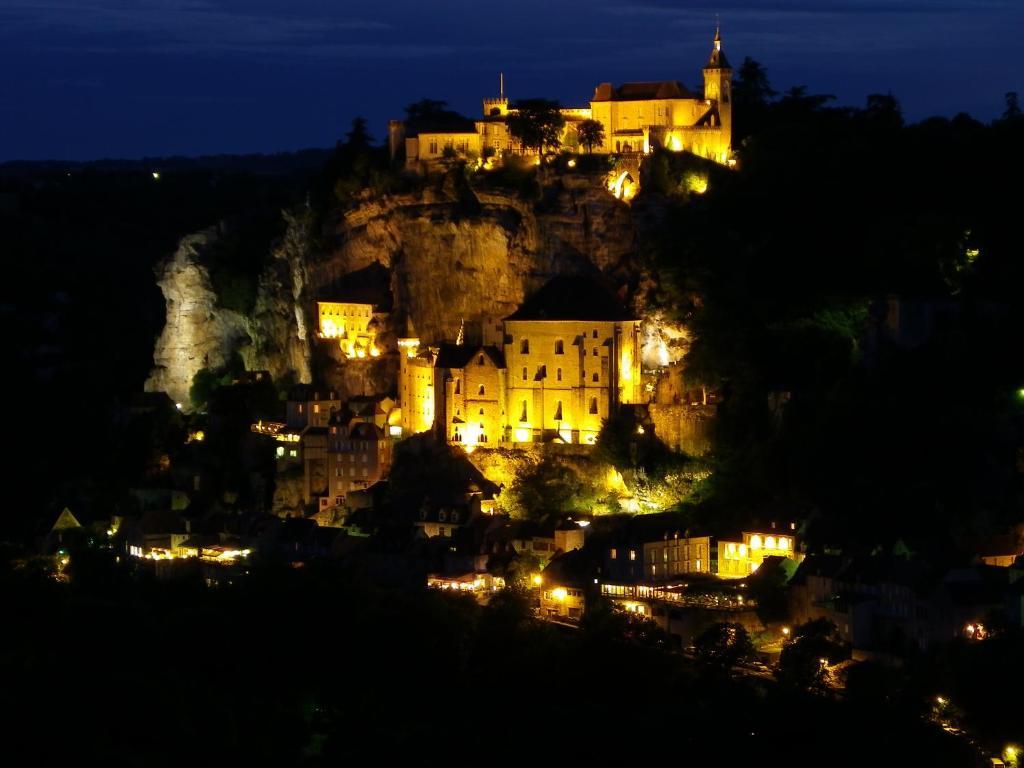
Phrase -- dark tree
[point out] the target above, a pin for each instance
(358, 138)
(426, 108)
(751, 87)
(724, 645)
(1013, 111)
(804, 662)
(883, 111)
(591, 134)
(537, 124)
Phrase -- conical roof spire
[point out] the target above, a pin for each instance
(717, 60)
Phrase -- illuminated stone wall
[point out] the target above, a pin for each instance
(564, 377)
(474, 402)
(415, 387)
(683, 427)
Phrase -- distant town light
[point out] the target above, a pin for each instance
(156, 175)
(178, 406)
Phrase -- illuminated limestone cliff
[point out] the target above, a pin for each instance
(199, 333)
(445, 260)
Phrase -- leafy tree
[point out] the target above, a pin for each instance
(358, 138)
(751, 87)
(537, 124)
(883, 110)
(723, 645)
(804, 662)
(591, 134)
(425, 108)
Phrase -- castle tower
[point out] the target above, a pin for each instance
(718, 89)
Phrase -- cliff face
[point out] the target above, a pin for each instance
(197, 333)
(450, 260)
(447, 267)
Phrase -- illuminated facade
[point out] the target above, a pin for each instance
(351, 324)
(570, 356)
(726, 558)
(636, 117)
(639, 116)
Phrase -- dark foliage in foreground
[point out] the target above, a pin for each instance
(315, 666)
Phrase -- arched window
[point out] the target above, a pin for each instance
(458, 386)
(480, 360)
(596, 378)
(480, 389)
(558, 411)
(593, 405)
(558, 374)
(559, 347)
(524, 346)
(523, 413)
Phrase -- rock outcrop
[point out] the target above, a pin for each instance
(197, 334)
(453, 254)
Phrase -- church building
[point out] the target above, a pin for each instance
(569, 357)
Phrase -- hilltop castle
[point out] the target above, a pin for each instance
(637, 117)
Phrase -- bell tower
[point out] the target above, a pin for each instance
(718, 90)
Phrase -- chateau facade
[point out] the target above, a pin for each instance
(636, 117)
(564, 362)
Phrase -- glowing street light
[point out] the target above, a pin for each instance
(537, 579)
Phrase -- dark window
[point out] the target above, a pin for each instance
(559, 347)
(480, 391)
(558, 411)
(593, 405)
(595, 377)
(524, 346)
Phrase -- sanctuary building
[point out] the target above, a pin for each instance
(636, 118)
(563, 362)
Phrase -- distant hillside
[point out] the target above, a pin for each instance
(280, 163)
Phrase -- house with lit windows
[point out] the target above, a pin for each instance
(729, 557)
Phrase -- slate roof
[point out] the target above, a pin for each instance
(572, 298)
(665, 89)
(442, 122)
(461, 355)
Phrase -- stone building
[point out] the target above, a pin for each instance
(636, 117)
(571, 356)
(358, 455)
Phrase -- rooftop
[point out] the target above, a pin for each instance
(572, 298)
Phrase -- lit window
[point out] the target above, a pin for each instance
(769, 542)
(632, 554)
(293, 453)
(316, 407)
(755, 542)
(614, 554)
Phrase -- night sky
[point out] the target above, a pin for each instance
(84, 79)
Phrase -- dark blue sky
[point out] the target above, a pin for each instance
(84, 79)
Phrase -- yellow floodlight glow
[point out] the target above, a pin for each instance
(537, 579)
(559, 593)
